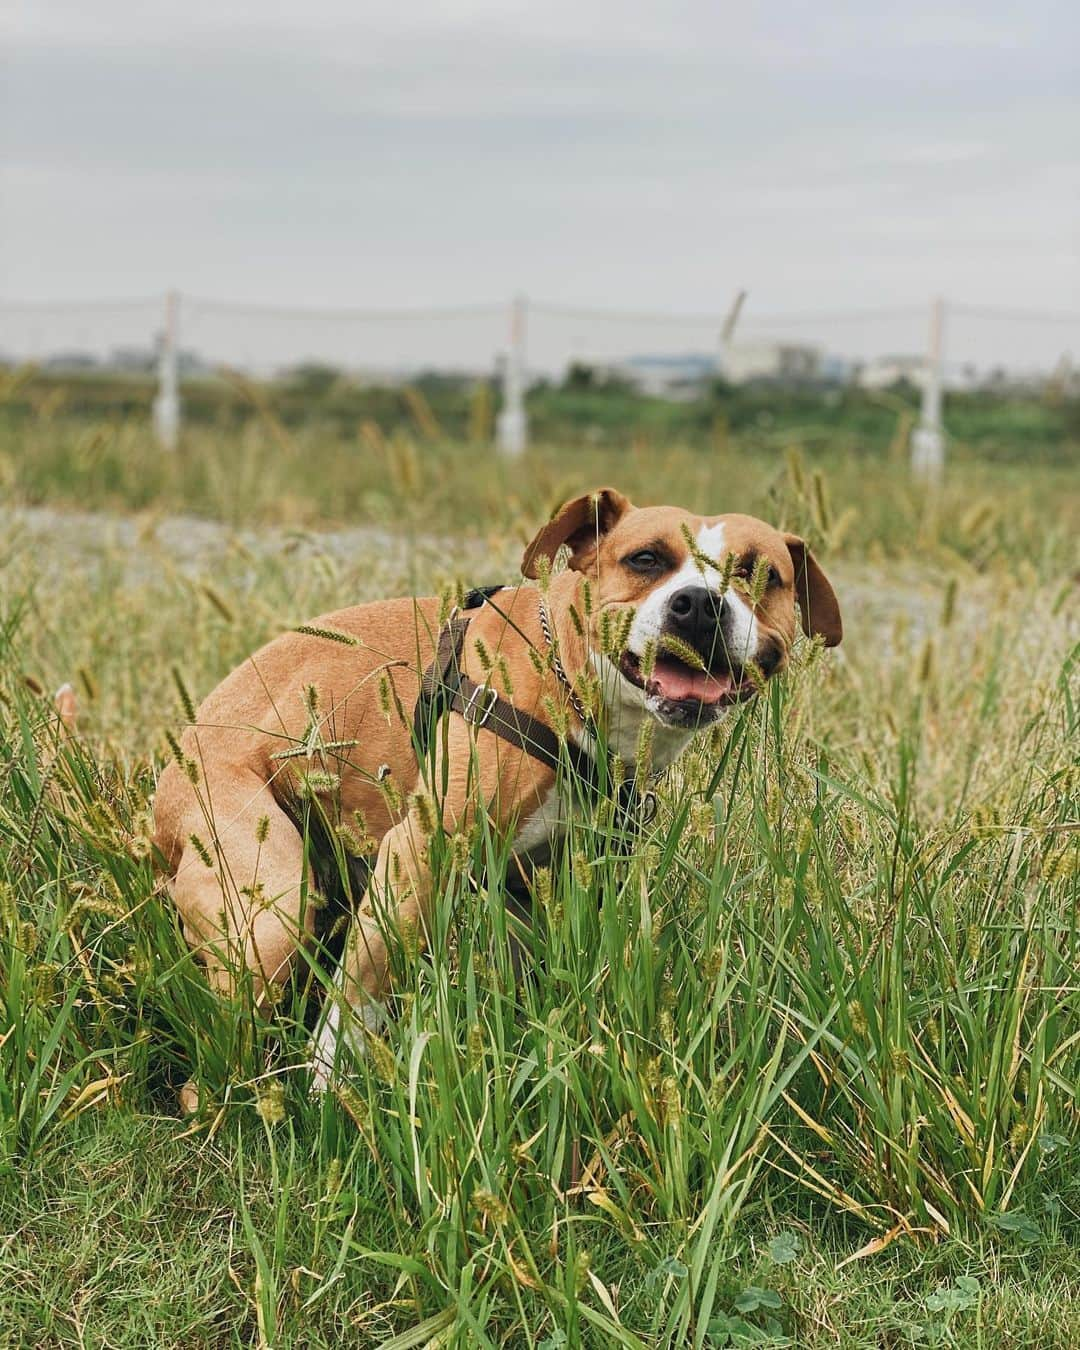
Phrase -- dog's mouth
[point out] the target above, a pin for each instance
(677, 682)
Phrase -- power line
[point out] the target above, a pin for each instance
(836, 316)
(716, 321)
(539, 308)
(557, 311)
(197, 303)
(1014, 315)
(78, 306)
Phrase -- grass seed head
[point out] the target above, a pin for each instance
(328, 635)
(381, 1058)
(43, 979)
(542, 887)
(557, 716)
(218, 602)
(644, 754)
(488, 1204)
(948, 603)
(582, 1265)
(201, 851)
(317, 783)
(187, 703)
(682, 650)
(582, 871)
(857, 1017)
(483, 655)
(386, 698)
(503, 667)
(701, 560)
(422, 806)
(174, 747)
(759, 579)
(671, 1100)
(461, 852)
(354, 1106)
(703, 822)
(270, 1103)
(358, 844)
(587, 688)
(541, 661)
(474, 1045)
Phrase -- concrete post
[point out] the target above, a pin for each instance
(512, 427)
(167, 403)
(928, 438)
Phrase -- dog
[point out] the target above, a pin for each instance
(662, 618)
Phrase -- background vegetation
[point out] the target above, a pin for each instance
(803, 1070)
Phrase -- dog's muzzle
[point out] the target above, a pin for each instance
(681, 692)
(696, 616)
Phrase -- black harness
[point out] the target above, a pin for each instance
(445, 688)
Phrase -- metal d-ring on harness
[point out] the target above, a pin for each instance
(446, 688)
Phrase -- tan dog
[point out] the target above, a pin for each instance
(700, 610)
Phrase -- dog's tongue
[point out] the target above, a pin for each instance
(674, 680)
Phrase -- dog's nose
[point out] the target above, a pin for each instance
(695, 614)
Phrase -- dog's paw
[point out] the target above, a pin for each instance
(188, 1098)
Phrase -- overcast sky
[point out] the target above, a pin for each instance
(607, 152)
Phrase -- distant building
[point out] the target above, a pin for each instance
(145, 361)
(772, 362)
(64, 363)
(884, 371)
(678, 378)
(837, 370)
(133, 360)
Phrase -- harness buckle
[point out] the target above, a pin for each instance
(469, 712)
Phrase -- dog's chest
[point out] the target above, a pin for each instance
(543, 828)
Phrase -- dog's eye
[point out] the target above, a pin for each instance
(774, 577)
(645, 560)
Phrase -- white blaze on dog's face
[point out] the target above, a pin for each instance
(691, 640)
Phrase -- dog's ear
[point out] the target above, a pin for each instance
(579, 525)
(818, 605)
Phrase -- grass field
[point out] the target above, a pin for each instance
(805, 1070)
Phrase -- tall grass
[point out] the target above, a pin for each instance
(829, 1003)
(267, 474)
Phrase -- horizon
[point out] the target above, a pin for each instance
(607, 159)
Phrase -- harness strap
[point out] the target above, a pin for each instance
(442, 675)
(445, 688)
(482, 706)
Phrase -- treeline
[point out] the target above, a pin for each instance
(435, 406)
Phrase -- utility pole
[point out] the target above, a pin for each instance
(167, 403)
(512, 426)
(928, 438)
(727, 332)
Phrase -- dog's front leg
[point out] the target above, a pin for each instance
(397, 899)
(486, 776)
